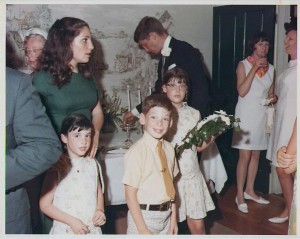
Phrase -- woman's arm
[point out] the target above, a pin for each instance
(287, 156)
(46, 206)
(98, 120)
(244, 82)
(292, 149)
(271, 94)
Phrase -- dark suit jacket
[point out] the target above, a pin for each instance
(31, 147)
(189, 59)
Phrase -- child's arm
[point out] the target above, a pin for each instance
(99, 218)
(134, 209)
(46, 206)
(205, 144)
(173, 226)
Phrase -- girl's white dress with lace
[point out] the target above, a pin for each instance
(193, 198)
(76, 195)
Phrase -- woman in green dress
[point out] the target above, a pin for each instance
(64, 81)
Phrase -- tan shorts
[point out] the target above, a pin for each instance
(158, 222)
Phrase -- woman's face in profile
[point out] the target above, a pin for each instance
(82, 47)
(290, 43)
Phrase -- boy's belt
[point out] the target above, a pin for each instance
(157, 207)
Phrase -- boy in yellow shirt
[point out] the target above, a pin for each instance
(150, 167)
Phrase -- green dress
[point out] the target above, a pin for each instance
(78, 96)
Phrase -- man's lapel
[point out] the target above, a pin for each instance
(169, 59)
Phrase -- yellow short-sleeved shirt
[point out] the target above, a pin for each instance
(142, 169)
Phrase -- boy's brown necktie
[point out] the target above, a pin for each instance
(165, 171)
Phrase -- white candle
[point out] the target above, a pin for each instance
(139, 94)
(128, 98)
(150, 89)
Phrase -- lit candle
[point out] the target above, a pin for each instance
(139, 94)
(128, 98)
(150, 90)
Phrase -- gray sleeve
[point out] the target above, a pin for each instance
(32, 145)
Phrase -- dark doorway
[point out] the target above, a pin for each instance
(232, 27)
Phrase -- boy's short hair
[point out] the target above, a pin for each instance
(158, 100)
(176, 73)
(147, 25)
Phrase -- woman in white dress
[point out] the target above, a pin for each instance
(255, 89)
(286, 111)
(192, 196)
(71, 194)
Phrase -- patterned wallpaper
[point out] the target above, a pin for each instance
(118, 64)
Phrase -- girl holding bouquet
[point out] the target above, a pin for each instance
(192, 195)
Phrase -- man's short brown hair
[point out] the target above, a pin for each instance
(147, 25)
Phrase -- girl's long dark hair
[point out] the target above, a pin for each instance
(70, 123)
(57, 52)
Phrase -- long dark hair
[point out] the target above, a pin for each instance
(72, 122)
(57, 52)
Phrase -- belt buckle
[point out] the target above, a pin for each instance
(164, 206)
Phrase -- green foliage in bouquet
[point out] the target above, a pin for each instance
(212, 125)
(111, 106)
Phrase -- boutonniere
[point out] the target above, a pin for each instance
(166, 51)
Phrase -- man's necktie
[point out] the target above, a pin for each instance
(165, 172)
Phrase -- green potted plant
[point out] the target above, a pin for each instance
(111, 106)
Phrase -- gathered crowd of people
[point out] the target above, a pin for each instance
(54, 184)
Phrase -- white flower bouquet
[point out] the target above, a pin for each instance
(213, 125)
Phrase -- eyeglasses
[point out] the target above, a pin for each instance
(35, 52)
(180, 86)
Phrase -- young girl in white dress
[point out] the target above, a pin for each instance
(72, 194)
(193, 198)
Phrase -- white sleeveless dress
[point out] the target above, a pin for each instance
(252, 113)
(76, 195)
(192, 195)
(285, 110)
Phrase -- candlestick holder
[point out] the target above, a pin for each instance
(128, 127)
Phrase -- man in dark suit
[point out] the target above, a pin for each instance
(154, 39)
(31, 147)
